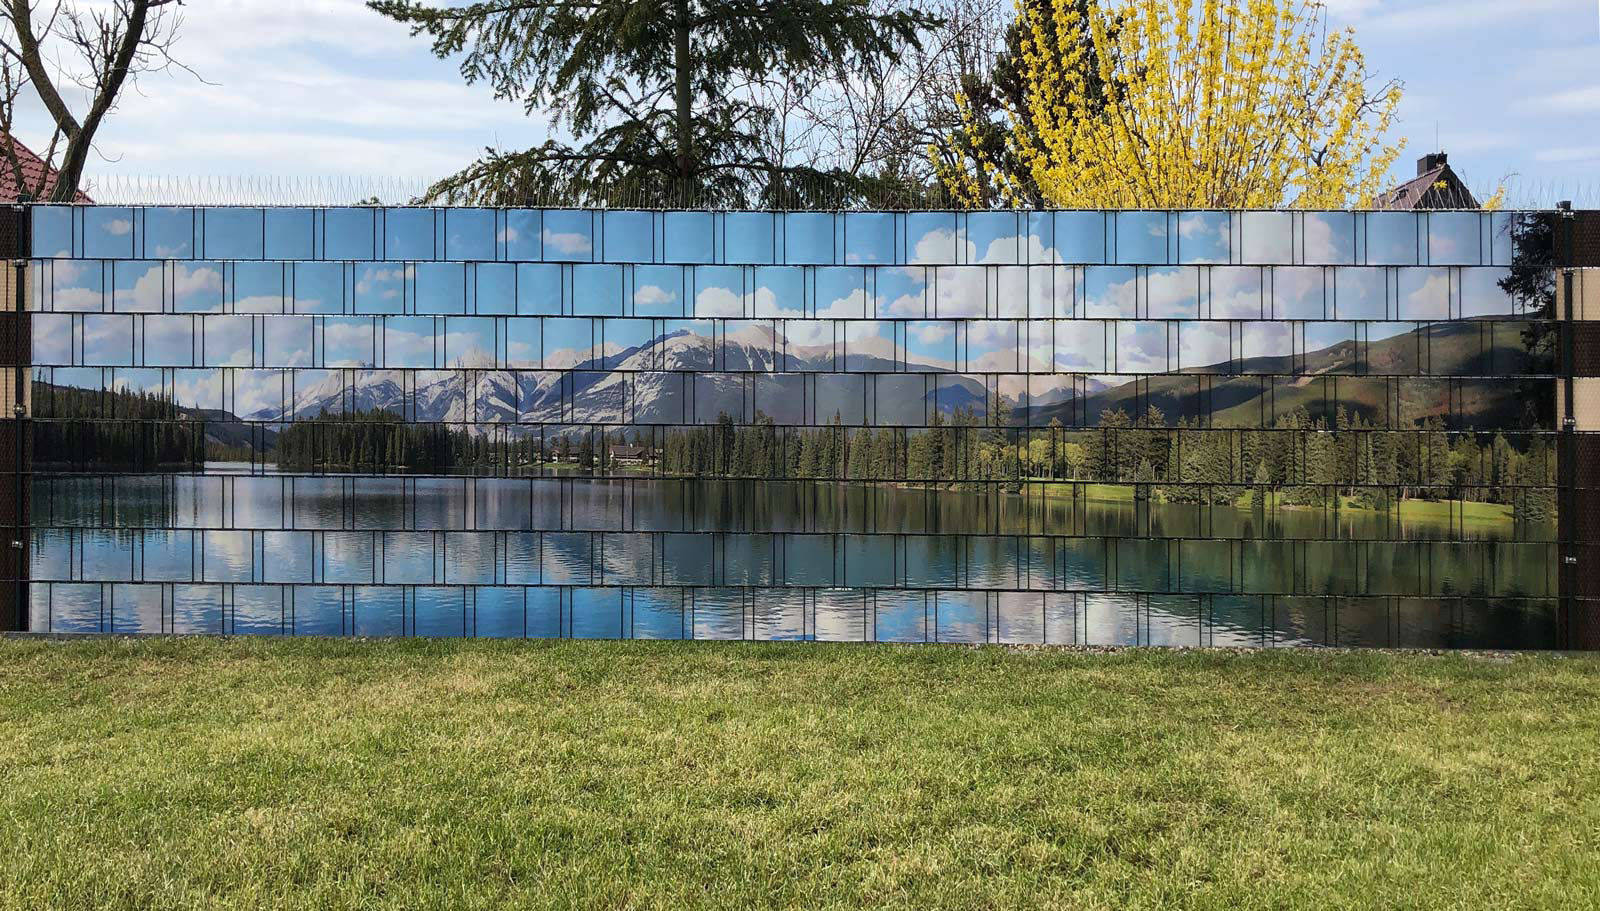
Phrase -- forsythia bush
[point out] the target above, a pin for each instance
(1206, 104)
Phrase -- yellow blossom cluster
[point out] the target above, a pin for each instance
(1191, 104)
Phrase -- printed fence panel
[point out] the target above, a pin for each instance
(1163, 428)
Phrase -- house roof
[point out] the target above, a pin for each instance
(33, 168)
(1436, 186)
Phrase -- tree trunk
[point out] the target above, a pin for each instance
(683, 95)
(80, 137)
(70, 173)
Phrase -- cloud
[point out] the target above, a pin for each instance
(302, 87)
(934, 248)
(68, 271)
(718, 302)
(404, 348)
(107, 340)
(853, 305)
(1113, 299)
(570, 243)
(1362, 294)
(118, 227)
(374, 278)
(809, 332)
(1261, 339)
(715, 302)
(1447, 15)
(1080, 345)
(1173, 293)
(1205, 237)
(1351, 9)
(347, 344)
(469, 349)
(964, 290)
(907, 305)
(1191, 226)
(1568, 154)
(766, 303)
(1430, 300)
(1036, 253)
(71, 288)
(991, 334)
(169, 341)
(198, 388)
(228, 341)
(1297, 292)
(1321, 246)
(1236, 293)
(1141, 347)
(940, 247)
(960, 291)
(148, 292)
(77, 299)
(653, 296)
(1201, 344)
(257, 390)
(187, 280)
(857, 334)
(1585, 100)
(259, 303)
(933, 333)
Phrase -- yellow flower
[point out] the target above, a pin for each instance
(1161, 105)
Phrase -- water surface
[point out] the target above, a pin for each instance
(233, 552)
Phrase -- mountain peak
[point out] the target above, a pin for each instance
(475, 359)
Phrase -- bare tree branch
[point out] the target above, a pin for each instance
(875, 120)
(100, 52)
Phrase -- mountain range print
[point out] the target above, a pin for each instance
(688, 377)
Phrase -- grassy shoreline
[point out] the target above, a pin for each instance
(217, 773)
(1465, 511)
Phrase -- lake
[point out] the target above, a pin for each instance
(228, 551)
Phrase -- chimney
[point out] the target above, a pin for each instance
(1430, 161)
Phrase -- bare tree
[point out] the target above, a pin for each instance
(69, 48)
(879, 122)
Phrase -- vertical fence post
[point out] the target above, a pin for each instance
(1566, 447)
(16, 348)
(1577, 254)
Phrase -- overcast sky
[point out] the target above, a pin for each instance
(325, 87)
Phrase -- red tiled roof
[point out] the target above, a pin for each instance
(32, 169)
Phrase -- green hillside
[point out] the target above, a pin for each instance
(135, 429)
(1364, 381)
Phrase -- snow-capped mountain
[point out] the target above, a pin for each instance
(679, 377)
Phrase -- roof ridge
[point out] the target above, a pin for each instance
(35, 173)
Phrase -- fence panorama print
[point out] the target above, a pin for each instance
(1197, 428)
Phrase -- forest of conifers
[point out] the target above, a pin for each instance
(145, 430)
(1300, 461)
(137, 431)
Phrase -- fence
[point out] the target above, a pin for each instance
(1352, 428)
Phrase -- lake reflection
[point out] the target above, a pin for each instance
(544, 557)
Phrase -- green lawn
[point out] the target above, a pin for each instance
(332, 774)
(1455, 510)
(1468, 511)
(1117, 493)
(1091, 490)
